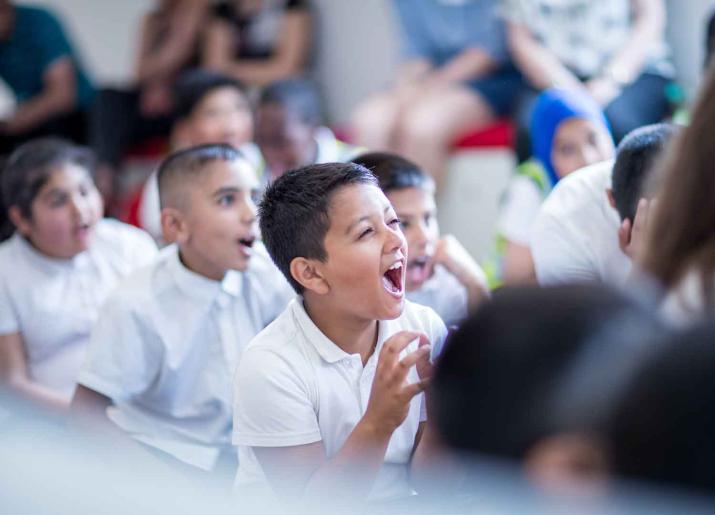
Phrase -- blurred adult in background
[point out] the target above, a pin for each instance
(259, 41)
(168, 44)
(39, 64)
(455, 76)
(613, 49)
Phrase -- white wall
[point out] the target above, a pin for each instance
(357, 42)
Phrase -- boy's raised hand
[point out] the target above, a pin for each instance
(455, 258)
(391, 394)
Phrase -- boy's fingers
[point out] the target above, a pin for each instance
(413, 389)
(396, 344)
(624, 234)
(641, 215)
(413, 358)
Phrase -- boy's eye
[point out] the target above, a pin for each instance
(395, 222)
(405, 224)
(226, 200)
(365, 233)
(58, 200)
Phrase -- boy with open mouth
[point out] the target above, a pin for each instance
(328, 398)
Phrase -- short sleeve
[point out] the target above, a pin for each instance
(436, 331)
(272, 404)
(53, 43)
(9, 318)
(143, 248)
(519, 209)
(124, 355)
(559, 256)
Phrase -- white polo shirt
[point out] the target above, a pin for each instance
(166, 345)
(575, 235)
(54, 303)
(445, 294)
(294, 386)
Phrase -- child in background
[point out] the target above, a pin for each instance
(328, 401)
(57, 269)
(210, 108)
(440, 273)
(290, 131)
(568, 132)
(166, 344)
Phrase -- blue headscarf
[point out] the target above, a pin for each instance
(553, 107)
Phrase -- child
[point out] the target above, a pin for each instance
(210, 108)
(57, 269)
(439, 273)
(327, 400)
(568, 132)
(290, 133)
(166, 343)
(589, 226)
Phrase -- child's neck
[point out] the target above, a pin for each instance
(353, 335)
(199, 268)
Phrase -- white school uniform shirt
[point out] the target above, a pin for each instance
(166, 345)
(54, 303)
(522, 202)
(685, 305)
(575, 235)
(445, 294)
(294, 386)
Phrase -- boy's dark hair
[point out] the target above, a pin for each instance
(298, 96)
(182, 167)
(662, 427)
(533, 363)
(293, 214)
(29, 167)
(635, 158)
(710, 40)
(192, 87)
(394, 172)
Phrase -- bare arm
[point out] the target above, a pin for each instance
(471, 63)
(15, 376)
(455, 258)
(518, 264)
(57, 96)
(165, 61)
(304, 472)
(289, 57)
(540, 66)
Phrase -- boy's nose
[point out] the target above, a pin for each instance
(395, 240)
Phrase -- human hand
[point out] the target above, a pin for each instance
(155, 99)
(631, 236)
(391, 394)
(603, 90)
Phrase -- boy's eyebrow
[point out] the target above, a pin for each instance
(226, 189)
(362, 219)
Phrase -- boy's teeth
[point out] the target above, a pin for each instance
(396, 266)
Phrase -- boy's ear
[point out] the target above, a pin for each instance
(611, 199)
(22, 224)
(173, 226)
(308, 274)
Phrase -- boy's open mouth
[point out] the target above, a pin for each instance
(392, 279)
(418, 270)
(247, 242)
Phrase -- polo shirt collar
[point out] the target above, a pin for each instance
(325, 347)
(197, 286)
(49, 263)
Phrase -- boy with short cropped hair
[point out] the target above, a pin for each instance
(166, 344)
(328, 398)
(589, 226)
(290, 130)
(440, 273)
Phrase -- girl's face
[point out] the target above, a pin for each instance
(64, 213)
(578, 143)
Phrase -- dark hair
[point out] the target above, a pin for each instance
(532, 363)
(394, 172)
(293, 214)
(187, 163)
(29, 167)
(635, 159)
(710, 40)
(298, 96)
(662, 427)
(192, 87)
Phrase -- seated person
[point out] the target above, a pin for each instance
(259, 41)
(568, 132)
(57, 269)
(168, 44)
(588, 228)
(440, 273)
(328, 398)
(456, 75)
(41, 68)
(613, 50)
(165, 346)
(527, 381)
(210, 108)
(290, 131)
